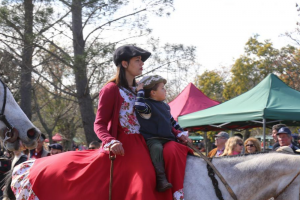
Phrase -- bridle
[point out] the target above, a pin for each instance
(2, 116)
(11, 134)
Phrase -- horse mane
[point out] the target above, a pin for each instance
(249, 154)
(7, 192)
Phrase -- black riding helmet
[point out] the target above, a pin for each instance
(129, 51)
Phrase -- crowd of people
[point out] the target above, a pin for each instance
(42, 150)
(229, 146)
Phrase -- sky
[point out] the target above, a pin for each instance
(220, 28)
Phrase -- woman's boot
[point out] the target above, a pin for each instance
(162, 183)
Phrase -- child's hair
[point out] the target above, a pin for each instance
(148, 91)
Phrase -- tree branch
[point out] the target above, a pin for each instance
(99, 27)
(66, 3)
(55, 55)
(10, 24)
(51, 25)
(91, 14)
(160, 67)
(55, 86)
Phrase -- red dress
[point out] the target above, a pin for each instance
(85, 174)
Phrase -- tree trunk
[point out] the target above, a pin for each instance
(83, 92)
(247, 134)
(26, 64)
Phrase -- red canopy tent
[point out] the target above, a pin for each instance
(191, 99)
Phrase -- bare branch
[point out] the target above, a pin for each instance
(66, 3)
(13, 50)
(108, 23)
(51, 83)
(55, 55)
(91, 14)
(10, 24)
(51, 25)
(161, 66)
(46, 89)
(39, 112)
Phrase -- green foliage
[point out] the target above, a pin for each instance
(211, 83)
(259, 60)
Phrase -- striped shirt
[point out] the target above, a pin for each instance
(142, 107)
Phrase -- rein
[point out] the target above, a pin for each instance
(277, 195)
(214, 181)
(2, 116)
(112, 158)
(232, 194)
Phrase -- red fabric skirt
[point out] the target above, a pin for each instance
(85, 174)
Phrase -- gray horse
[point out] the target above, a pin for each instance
(16, 130)
(252, 177)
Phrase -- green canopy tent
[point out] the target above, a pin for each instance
(270, 102)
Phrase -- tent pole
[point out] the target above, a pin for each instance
(231, 133)
(205, 141)
(264, 134)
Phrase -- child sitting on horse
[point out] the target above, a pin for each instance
(156, 123)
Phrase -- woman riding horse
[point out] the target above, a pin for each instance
(85, 174)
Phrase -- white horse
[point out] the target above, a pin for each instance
(23, 132)
(251, 177)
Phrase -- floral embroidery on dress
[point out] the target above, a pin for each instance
(178, 195)
(20, 184)
(127, 116)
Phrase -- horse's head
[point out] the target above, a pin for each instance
(16, 130)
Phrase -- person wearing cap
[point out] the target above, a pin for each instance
(117, 127)
(156, 124)
(55, 149)
(284, 136)
(275, 129)
(39, 151)
(220, 140)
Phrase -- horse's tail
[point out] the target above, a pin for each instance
(8, 194)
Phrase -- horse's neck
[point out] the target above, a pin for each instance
(251, 177)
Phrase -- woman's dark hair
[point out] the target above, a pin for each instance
(148, 91)
(120, 77)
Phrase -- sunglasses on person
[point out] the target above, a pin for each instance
(241, 144)
(250, 145)
(92, 148)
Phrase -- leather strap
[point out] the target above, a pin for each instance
(112, 158)
(232, 194)
(214, 181)
(277, 195)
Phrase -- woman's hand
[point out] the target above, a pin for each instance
(117, 149)
(184, 139)
(140, 86)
